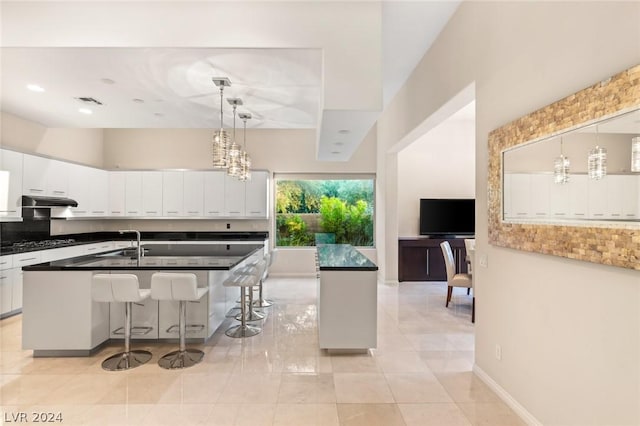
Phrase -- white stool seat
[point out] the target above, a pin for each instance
(183, 288)
(125, 288)
(244, 278)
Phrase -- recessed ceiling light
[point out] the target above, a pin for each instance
(344, 131)
(107, 81)
(85, 111)
(138, 101)
(35, 88)
(158, 114)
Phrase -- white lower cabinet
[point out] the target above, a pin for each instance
(6, 290)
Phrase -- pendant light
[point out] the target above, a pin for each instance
(597, 161)
(561, 167)
(245, 160)
(635, 154)
(220, 137)
(234, 167)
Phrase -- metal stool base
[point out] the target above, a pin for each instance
(181, 359)
(126, 360)
(263, 303)
(243, 331)
(251, 316)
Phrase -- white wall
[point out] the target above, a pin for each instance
(569, 330)
(78, 145)
(441, 164)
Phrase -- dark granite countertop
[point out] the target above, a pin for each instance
(343, 257)
(99, 237)
(158, 257)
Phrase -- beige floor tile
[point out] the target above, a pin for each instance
(307, 389)
(255, 415)
(490, 414)
(173, 414)
(448, 361)
(362, 388)
(400, 362)
(107, 415)
(195, 389)
(141, 388)
(354, 363)
(254, 387)
(393, 342)
(433, 415)
(430, 342)
(466, 387)
(370, 415)
(416, 387)
(223, 414)
(31, 389)
(306, 415)
(85, 389)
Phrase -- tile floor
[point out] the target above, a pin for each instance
(420, 374)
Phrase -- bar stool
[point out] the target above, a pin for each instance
(251, 313)
(121, 288)
(181, 287)
(262, 302)
(243, 281)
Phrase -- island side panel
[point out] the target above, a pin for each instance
(59, 314)
(347, 309)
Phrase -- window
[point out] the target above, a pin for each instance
(312, 210)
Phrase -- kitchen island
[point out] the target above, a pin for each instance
(61, 319)
(347, 299)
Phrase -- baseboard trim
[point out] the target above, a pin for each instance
(522, 412)
(292, 275)
(392, 283)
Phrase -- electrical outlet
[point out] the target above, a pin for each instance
(498, 352)
(484, 261)
(228, 226)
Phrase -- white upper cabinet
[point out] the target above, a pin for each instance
(597, 194)
(578, 196)
(214, 194)
(172, 194)
(99, 194)
(256, 196)
(42, 176)
(117, 185)
(133, 193)
(520, 195)
(152, 193)
(540, 195)
(193, 194)
(559, 201)
(234, 197)
(80, 189)
(11, 162)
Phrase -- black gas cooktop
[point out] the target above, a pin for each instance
(24, 246)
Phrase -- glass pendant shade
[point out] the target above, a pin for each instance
(635, 154)
(561, 169)
(245, 174)
(597, 163)
(234, 160)
(220, 149)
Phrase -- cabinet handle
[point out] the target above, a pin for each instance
(115, 212)
(168, 212)
(154, 211)
(598, 214)
(58, 192)
(3, 277)
(521, 214)
(91, 248)
(428, 273)
(98, 211)
(190, 212)
(615, 214)
(541, 214)
(234, 212)
(216, 212)
(80, 211)
(36, 190)
(26, 260)
(559, 214)
(133, 212)
(578, 214)
(256, 212)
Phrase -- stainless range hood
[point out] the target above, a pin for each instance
(31, 201)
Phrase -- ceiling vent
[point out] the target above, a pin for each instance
(89, 100)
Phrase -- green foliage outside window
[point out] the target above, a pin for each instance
(343, 208)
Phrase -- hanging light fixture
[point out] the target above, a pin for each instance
(635, 154)
(561, 167)
(220, 137)
(234, 167)
(245, 160)
(597, 161)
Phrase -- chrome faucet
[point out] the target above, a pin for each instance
(139, 252)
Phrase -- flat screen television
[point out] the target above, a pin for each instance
(447, 216)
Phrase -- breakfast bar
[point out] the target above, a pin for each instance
(61, 319)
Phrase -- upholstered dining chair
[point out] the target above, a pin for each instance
(455, 279)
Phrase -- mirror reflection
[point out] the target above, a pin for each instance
(588, 174)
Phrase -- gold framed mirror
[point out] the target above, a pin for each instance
(615, 242)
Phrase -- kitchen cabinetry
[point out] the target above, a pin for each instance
(172, 194)
(193, 194)
(256, 199)
(151, 194)
(43, 176)
(420, 258)
(234, 197)
(214, 193)
(117, 197)
(99, 196)
(80, 189)
(12, 162)
(133, 193)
